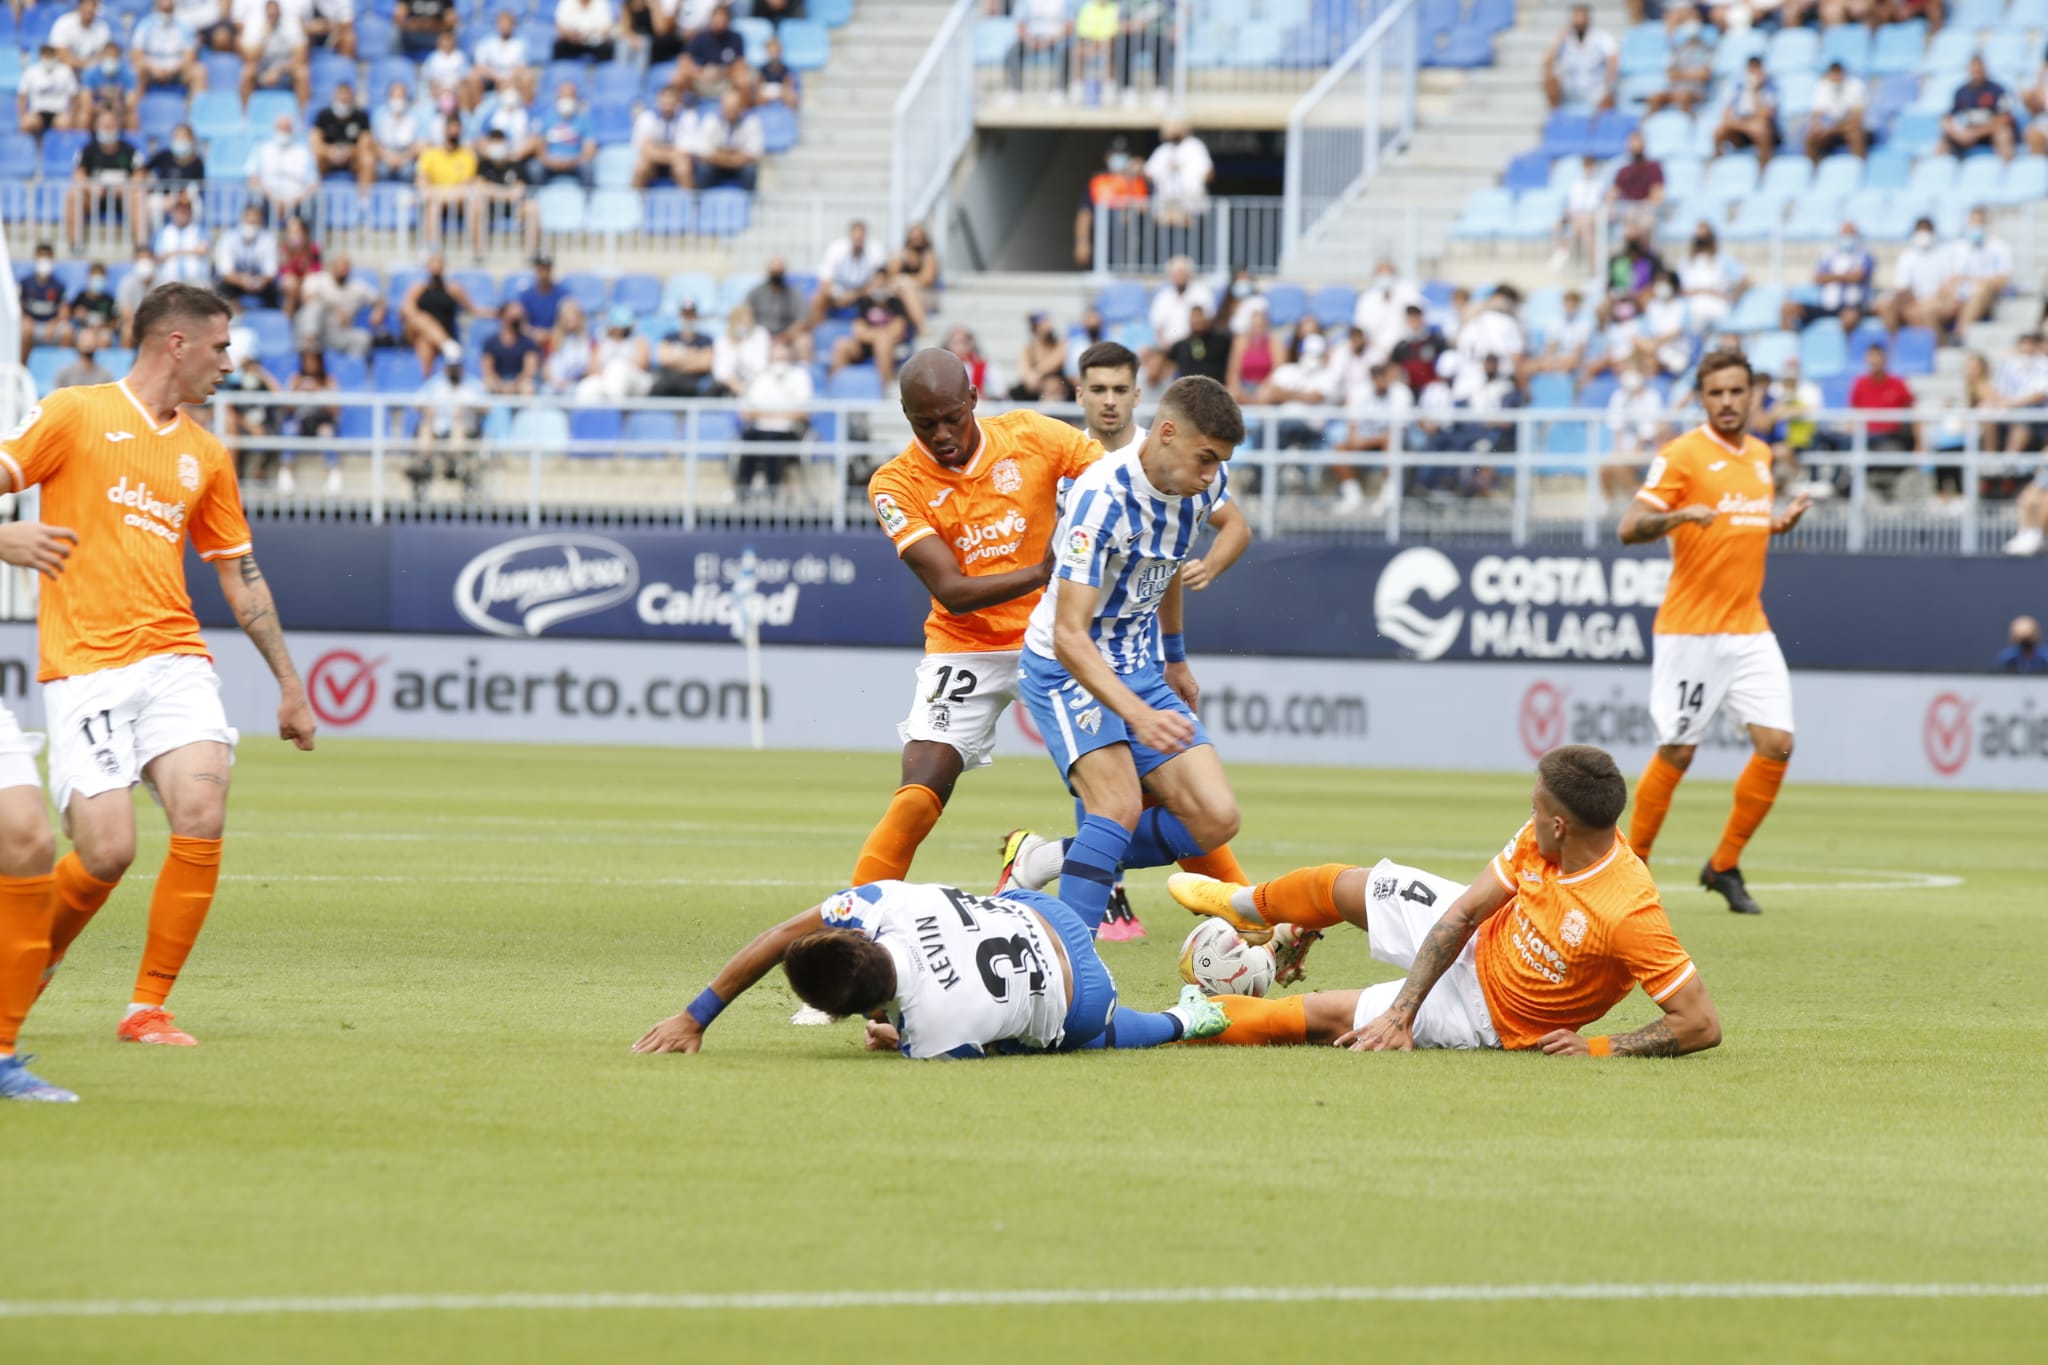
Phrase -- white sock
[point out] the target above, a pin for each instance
(1041, 863)
(1186, 1019)
(136, 1007)
(1242, 902)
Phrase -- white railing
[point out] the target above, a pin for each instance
(1361, 110)
(1225, 235)
(1519, 475)
(933, 123)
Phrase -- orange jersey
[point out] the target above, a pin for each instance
(997, 513)
(133, 491)
(1565, 950)
(1717, 570)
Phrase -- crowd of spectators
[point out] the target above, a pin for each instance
(1092, 50)
(1171, 183)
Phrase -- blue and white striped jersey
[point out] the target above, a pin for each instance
(1121, 535)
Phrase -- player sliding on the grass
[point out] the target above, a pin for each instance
(957, 975)
(1543, 943)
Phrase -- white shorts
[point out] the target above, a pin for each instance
(958, 701)
(1402, 904)
(106, 727)
(18, 750)
(1692, 677)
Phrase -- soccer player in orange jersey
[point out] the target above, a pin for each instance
(1544, 942)
(1711, 492)
(129, 689)
(970, 505)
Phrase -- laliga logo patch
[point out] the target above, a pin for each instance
(1079, 543)
(1006, 476)
(523, 587)
(28, 419)
(1431, 573)
(188, 472)
(889, 514)
(839, 908)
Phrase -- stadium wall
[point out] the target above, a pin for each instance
(1922, 730)
(1286, 599)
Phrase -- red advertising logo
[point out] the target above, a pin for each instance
(343, 686)
(1946, 733)
(1542, 719)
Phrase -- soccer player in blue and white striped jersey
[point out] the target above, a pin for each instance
(1104, 672)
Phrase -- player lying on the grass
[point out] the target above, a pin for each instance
(1544, 942)
(956, 975)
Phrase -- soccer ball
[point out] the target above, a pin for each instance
(1217, 960)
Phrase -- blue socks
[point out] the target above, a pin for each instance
(1160, 840)
(1093, 856)
(1135, 1028)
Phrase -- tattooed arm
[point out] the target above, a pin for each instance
(241, 582)
(1641, 523)
(1394, 1031)
(1689, 1024)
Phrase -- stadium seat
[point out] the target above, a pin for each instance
(1934, 178)
(1666, 133)
(1550, 391)
(1950, 50)
(19, 159)
(1536, 215)
(778, 128)
(806, 44)
(396, 371)
(993, 39)
(715, 433)
(539, 429)
(591, 291)
(639, 292)
(1334, 305)
(1787, 177)
(44, 362)
(1848, 44)
(158, 113)
(1488, 213)
(689, 284)
(855, 382)
(1823, 349)
(1532, 171)
(1123, 300)
(1968, 16)
(1462, 49)
(1913, 351)
(1285, 304)
(1898, 48)
(223, 71)
(1730, 178)
(1735, 49)
(1566, 133)
(481, 286)
(655, 428)
(1645, 51)
(1769, 351)
(1888, 169)
(755, 33)
(668, 212)
(272, 328)
(1979, 181)
(1758, 218)
(1608, 134)
(1792, 49)
(561, 208)
(576, 73)
(1757, 310)
(393, 208)
(377, 36)
(595, 424)
(2026, 180)
(831, 13)
(613, 211)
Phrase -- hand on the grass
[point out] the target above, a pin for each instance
(677, 1033)
(1562, 1042)
(1388, 1033)
(1163, 732)
(883, 1037)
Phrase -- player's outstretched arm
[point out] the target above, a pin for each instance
(685, 1032)
(1642, 523)
(1233, 535)
(1073, 645)
(1394, 1031)
(961, 593)
(242, 583)
(32, 545)
(1690, 1024)
(1793, 511)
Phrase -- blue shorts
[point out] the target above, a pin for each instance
(1094, 992)
(1074, 723)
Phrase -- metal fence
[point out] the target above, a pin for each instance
(1520, 476)
(1361, 110)
(934, 122)
(1223, 236)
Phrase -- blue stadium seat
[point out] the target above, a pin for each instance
(1285, 304)
(1888, 169)
(1950, 50)
(1915, 132)
(1566, 133)
(157, 113)
(659, 76)
(831, 13)
(1979, 180)
(480, 285)
(1531, 171)
(639, 292)
(60, 154)
(539, 429)
(1730, 177)
(611, 127)
(575, 73)
(1769, 351)
(1666, 133)
(266, 105)
(1889, 97)
(1823, 349)
(668, 213)
(1788, 177)
(216, 113)
(1757, 310)
(2026, 180)
(223, 70)
(1645, 51)
(1934, 178)
(1488, 213)
(1123, 300)
(1898, 48)
(613, 211)
(45, 361)
(1968, 16)
(377, 36)
(1462, 49)
(1792, 49)
(561, 207)
(396, 371)
(855, 382)
(595, 424)
(1334, 305)
(273, 329)
(1550, 391)
(659, 428)
(389, 71)
(806, 44)
(1594, 393)
(1536, 215)
(1441, 16)
(393, 207)
(693, 285)
(614, 166)
(754, 34)
(1848, 44)
(778, 128)
(715, 432)
(1757, 218)
(400, 283)
(1609, 133)
(1735, 49)
(723, 212)
(1913, 351)
(348, 372)
(19, 159)
(588, 289)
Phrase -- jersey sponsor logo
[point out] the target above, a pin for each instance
(28, 419)
(116, 437)
(939, 501)
(1573, 929)
(1741, 511)
(1149, 584)
(1431, 573)
(188, 472)
(1006, 476)
(342, 686)
(164, 520)
(993, 539)
(522, 587)
(890, 515)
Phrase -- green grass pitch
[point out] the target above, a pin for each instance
(419, 984)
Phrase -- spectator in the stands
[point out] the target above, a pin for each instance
(1577, 235)
(2022, 653)
(502, 62)
(1689, 74)
(843, 275)
(85, 369)
(1635, 267)
(1979, 267)
(585, 30)
(2022, 385)
(729, 145)
(774, 82)
(1635, 425)
(281, 168)
(298, 258)
(1181, 172)
(1711, 280)
(395, 130)
(1417, 349)
(1495, 329)
(165, 52)
(431, 313)
(1372, 411)
(209, 22)
(1835, 122)
(422, 22)
(658, 25)
(1254, 355)
(1980, 117)
(505, 113)
(1878, 390)
(48, 94)
(1300, 383)
(1237, 301)
(451, 426)
(1918, 277)
(129, 293)
(1639, 181)
(663, 138)
(245, 261)
(618, 361)
(1382, 307)
(773, 412)
(184, 252)
(1565, 341)
(2033, 510)
(511, 357)
(1176, 300)
(544, 299)
(331, 24)
(569, 350)
(81, 36)
(740, 352)
(444, 75)
(330, 301)
(313, 420)
(1095, 34)
(981, 371)
(568, 151)
(775, 11)
(917, 262)
(776, 304)
(881, 327)
(1664, 339)
(109, 86)
(1749, 117)
(1118, 185)
(274, 55)
(685, 358)
(445, 178)
(717, 57)
(340, 138)
(1844, 275)
(1044, 352)
(105, 181)
(176, 165)
(244, 422)
(2034, 99)
(45, 317)
(1205, 350)
(1044, 42)
(502, 204)
(1796, 399)
(1583, 65)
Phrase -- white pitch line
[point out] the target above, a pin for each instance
(842, 1300)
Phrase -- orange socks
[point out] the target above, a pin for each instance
(1755, 790)
(893, 843)
(78, 896)
(1219, 863)
(25, 909)
(1307, 897)
(177, 909)
(1263, 1023)
(1653, 802)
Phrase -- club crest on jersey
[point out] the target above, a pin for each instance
(188, 471)
(1763, 470)
(1573, 930)
(889, 514)
(940, 717)
(1005, 475)
(1090, 720)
